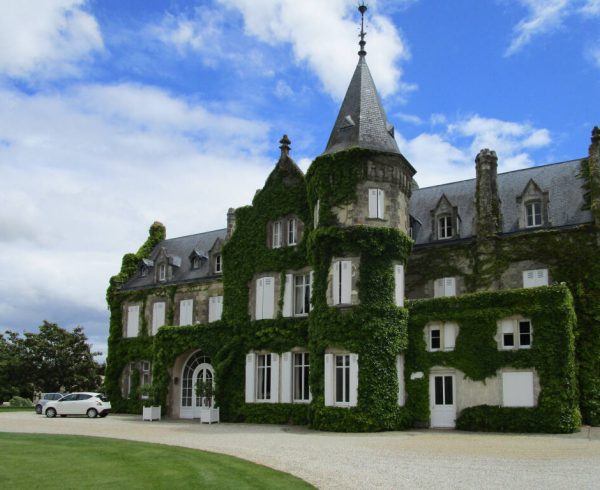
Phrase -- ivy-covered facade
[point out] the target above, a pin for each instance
(348, 299)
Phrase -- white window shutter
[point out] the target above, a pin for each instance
(353, 379)
(286, 377)
(269, 297)
(336, 283)
(274, 378)
(346, 297)
(542, 277)
(186, 307)
(133, 321)
(219, 307)
(316, 213)
(508, 326)
(212, 309)
(288, 295)
(380, 203)
(438, 288)
(158, 316)
(259, 299)
(400, 372)
(399, 285)
(517, 389)
(328, 380)
(528, 279)
(449, 336)
(312, 282)
(250, 371)
(450, 288)
(372, 203)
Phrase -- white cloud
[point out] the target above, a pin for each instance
(84, 173)
(594, 55)
(283, 90)
(409, 118)
(322, 34)
(46, 38)
(545, 16)
(449, 156)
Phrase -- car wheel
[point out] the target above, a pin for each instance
(92, 413)
(102, 415)
(38, 409)
(50, 413)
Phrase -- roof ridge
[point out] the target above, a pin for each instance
(193, 234)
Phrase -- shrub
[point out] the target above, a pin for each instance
(17, 401)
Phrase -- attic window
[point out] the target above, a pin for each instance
(196, 262)
(534, 213)
(445, 227)
(162, 272)
(218, 264)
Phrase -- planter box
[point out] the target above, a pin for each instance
(209, 415)
(151, 413)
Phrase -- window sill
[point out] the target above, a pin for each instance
(371, 218)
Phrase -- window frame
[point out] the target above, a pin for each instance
(345, 378)
(276, 241)
(530, 206)
(263, 378)
(515, 334)
(301, 370)
(218, 264)
(445, 227)
(376, 203)
(162, 272)
(292, 231)
(305, 290)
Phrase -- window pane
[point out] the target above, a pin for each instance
(339, 381)
(435, 339)
(439, 390)
(448, 390)
(524, 333)
(509, 340)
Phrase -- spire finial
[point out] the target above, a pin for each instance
(285, 146)
(362, 8)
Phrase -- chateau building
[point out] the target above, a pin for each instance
(350, 299)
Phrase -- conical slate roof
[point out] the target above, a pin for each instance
(362, 121)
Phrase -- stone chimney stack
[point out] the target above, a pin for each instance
(230, 222)
(488, 219)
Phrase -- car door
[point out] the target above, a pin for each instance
(66, 405)
(82, 404)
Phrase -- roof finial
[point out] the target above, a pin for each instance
(285, 146)
(362, 8)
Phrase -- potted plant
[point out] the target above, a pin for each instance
(205, 391)
(150, 408)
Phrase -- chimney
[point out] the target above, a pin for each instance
(230, 222)
(488, 219)
(593, 163)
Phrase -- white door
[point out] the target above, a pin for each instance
(442, 400)
(204, 372)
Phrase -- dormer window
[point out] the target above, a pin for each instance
(534, 213)
(218, 264)
(144, 271)
(162, 272)
(196, 263)
(445, 227)
(292, 231)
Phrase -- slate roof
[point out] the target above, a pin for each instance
(179, 250)
(559, 180)
(361, 121)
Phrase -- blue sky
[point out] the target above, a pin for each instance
(116, 113)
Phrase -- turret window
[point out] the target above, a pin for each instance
(376, 203)
(277, 234)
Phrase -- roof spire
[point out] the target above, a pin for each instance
(285, 146)
(362, 8)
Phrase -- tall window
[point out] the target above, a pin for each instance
(435, 338)
(277, 234)
(534, 213)
(302, 294)
(342, 282)
(445, 227)
(524, 333)
(292, 231)
(342, 379)
(316, 211)
(263, 377)
(218, 264)
(162, 272)
(300, 375)
(376, 203)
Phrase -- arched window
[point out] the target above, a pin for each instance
(190, 376)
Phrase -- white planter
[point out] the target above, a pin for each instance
(209, 415)
(151, 413)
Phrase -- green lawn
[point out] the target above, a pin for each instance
(56, 461)
(17, 409)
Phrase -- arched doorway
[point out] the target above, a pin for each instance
(196, 368)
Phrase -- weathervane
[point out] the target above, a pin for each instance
(362, 8)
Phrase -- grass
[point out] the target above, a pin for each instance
(16, 409)
(65, 462)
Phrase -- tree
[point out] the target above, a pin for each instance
(47, 361)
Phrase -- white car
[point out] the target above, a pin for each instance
(90, 404)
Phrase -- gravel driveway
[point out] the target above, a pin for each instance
(415, 459)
